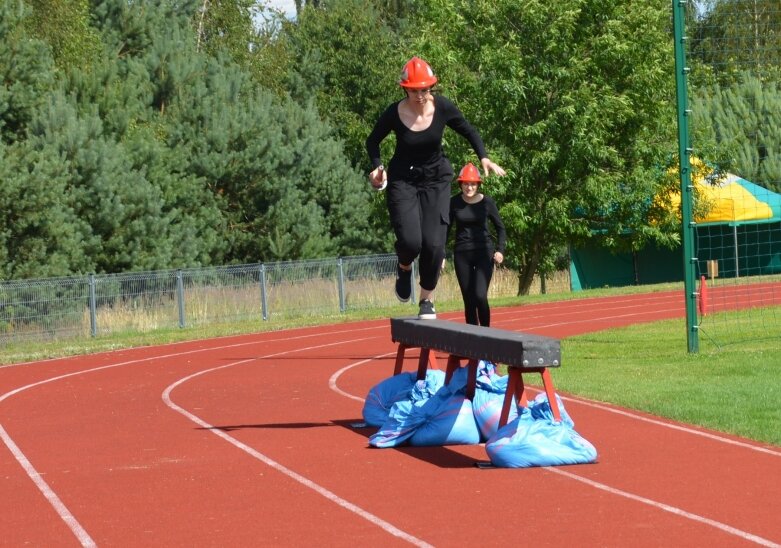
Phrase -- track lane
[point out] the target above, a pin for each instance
(285, 408)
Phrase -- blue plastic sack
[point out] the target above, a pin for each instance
(534, 439)
(399, 427)
(449, 420)
(490, 389)
(486, 376)
(382, 396)
(488, 379)
(540, 410)
(487, 408)
(458, 379)
(444, 418)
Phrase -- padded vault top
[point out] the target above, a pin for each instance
(476, 342)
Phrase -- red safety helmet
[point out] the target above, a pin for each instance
(417, 74)
(469, 174)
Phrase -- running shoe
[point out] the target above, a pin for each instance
(403, 284)
(427, 311)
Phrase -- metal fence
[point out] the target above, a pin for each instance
(94, 305)
(143, 301)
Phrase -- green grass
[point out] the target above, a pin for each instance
(734, 388)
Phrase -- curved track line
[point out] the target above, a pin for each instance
(333, 385)
(35, 476)
(333, 381)
(330, 495)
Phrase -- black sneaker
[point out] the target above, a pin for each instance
(403, 284)
(427, 311)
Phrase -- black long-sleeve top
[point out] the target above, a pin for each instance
(420, 148)
(471, 224)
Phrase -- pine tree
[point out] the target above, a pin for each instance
(41, 234)
(741, 118)
(26, 71)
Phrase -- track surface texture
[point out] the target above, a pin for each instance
(251, 441)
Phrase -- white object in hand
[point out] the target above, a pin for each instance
(384, 183)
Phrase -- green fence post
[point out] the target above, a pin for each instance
(684, 154)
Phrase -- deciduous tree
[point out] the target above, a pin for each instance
(574, 98)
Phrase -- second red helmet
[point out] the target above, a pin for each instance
(469, 174)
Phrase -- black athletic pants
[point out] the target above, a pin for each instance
(419, 208)
(474, 269)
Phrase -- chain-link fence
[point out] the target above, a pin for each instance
(730, 139)
(93, 305)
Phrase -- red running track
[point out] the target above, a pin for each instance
(248, 441)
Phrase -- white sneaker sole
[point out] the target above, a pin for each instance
(400, 299)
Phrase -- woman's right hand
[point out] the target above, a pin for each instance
(378, 178)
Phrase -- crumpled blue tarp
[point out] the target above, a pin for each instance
(378, 403)
(426, 413)
(449, 421)
(488, 400)
(535, 439)
(444, 418)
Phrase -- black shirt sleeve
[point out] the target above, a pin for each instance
(456, 121)
(493, 215)
(382, 128)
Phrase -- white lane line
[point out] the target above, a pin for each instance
(47, 492)
(56, 503)
(330, 495)
(642, 315)
(333, 384)
(667, 508)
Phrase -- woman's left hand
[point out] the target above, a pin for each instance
(498, 258)
(490, 167)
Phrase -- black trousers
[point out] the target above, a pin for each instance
(474, 270)
(418, 200)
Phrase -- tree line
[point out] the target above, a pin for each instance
(179, 133)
